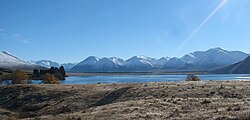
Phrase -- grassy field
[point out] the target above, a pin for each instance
(169, 100)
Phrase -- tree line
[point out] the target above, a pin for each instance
(50, 76)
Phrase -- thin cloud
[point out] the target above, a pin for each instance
(19, 37)
(13, 37)
(2, 33)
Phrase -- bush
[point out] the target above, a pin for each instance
(192, 77)
(19, 77)
(50, 79)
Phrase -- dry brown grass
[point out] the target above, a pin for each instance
(19, 77)
(50, 79)
(185, 100)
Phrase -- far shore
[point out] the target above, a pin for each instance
(130, 73)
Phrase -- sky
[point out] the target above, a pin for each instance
(71, 30)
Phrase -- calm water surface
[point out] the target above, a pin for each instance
(147, 78)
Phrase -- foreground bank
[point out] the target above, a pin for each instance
(175, 100)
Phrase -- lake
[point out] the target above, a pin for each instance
(147, 78)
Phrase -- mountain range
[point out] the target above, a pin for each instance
(197, 61)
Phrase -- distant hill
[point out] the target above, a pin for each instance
(11, 62)
(242, 67)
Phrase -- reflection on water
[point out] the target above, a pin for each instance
(147, 78)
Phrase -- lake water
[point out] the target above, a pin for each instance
(147, 78)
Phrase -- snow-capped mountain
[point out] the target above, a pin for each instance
(68, 66)
(174, 63)
(49, 63)
(107, 63)
(114, 64)
(196, 61)
(161, 62)
(188, 58)
(96, 64)
(116, 60)
(139, 63)
(199, 60)
(91, 60)
(9, 61)
(215, 57)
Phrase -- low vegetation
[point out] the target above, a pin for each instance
(192, 77)
(19, 77)
(50, 76)
(50, 79)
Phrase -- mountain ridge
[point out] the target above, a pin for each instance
(199, 60)
(11, 62)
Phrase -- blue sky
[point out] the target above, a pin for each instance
(71, 30)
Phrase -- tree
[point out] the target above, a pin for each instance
(19, 77)
(62, 71)
(52, 70)
(36, 73)
(50, 79)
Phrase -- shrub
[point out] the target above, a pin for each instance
(192, 77)
(19, 77)
(50, 79)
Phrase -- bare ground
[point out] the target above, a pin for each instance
(170, 100)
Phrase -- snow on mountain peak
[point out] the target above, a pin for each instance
(9, 61)
(9, 54)
(116, 60)
(139, 61)
(47, 63)
(217, 48)
(188, 58)
(90, 60)
(163, 58)
(162, 61)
